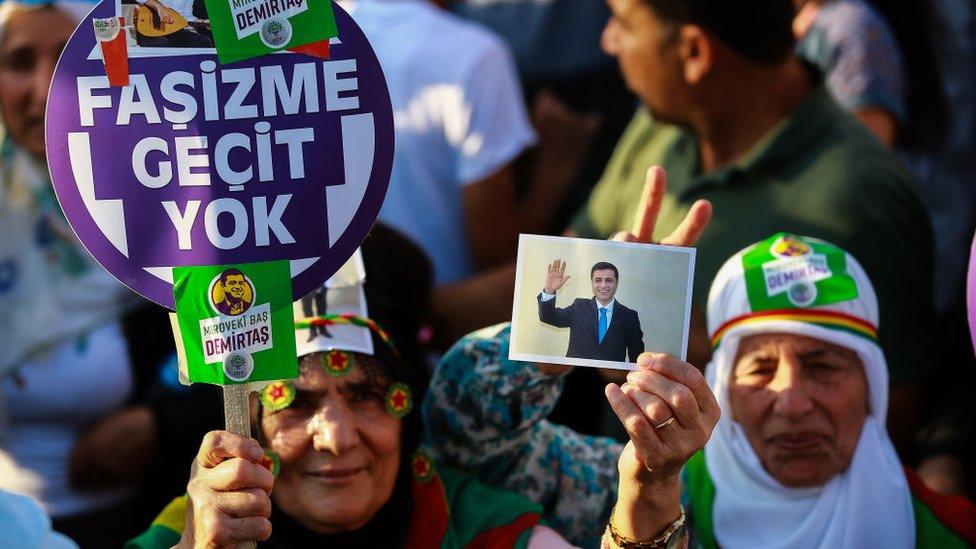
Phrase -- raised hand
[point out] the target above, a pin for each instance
(686, 233)
(669, 412)
(229, 493)
(556, 276)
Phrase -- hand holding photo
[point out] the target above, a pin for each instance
(577, 323)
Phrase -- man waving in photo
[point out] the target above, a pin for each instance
(601, 327)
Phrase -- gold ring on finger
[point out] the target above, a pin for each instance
(665, 423)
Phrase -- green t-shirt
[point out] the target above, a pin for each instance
(818, 173)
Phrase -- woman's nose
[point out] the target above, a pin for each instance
(792, 394)
(333, 429)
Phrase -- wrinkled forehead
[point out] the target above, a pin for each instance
(773, 343)
(322, 370)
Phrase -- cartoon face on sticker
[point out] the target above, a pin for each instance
(231, 293)
(276, 32)
(789, 246)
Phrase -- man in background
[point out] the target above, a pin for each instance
(733, 116)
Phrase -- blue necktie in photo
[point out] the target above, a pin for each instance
(603, 323)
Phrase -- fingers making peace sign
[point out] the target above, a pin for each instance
(685, 234)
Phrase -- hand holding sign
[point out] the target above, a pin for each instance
(197, 177)
(229, 493)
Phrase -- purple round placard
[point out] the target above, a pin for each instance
(281, 157)
(971, 292)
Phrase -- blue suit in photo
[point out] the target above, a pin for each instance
(623, 341)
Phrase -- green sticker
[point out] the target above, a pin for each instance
(250, 28)
(788, 271)
(236, 322)
(271, 462)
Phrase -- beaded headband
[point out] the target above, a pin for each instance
(348, 319)
(826, 319)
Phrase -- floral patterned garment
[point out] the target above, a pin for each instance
(486, 414)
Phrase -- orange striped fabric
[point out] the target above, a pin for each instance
(826, 319)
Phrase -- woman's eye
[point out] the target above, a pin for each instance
(761, 368)
(367, 396)
(18, 61)
(825, 367)
(299, 405)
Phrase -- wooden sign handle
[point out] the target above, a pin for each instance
(237, 420)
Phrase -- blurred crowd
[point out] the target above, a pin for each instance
(694, 123)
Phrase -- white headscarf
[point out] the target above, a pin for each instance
(869, 504)
(51, 289)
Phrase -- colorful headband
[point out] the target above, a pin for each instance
(347, 318)
(825, 319)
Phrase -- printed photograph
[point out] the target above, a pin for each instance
(167, 24)
(599, 303)
(342, 294)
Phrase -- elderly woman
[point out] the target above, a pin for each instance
(799, 458)
(342, 441)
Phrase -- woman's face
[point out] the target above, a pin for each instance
(339, 447)
(802, 403)
(32, 42)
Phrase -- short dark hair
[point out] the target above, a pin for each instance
(602, 266)
(229, 272)
(760, 30)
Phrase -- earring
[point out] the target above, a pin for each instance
(271, 462)
(399, 401)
